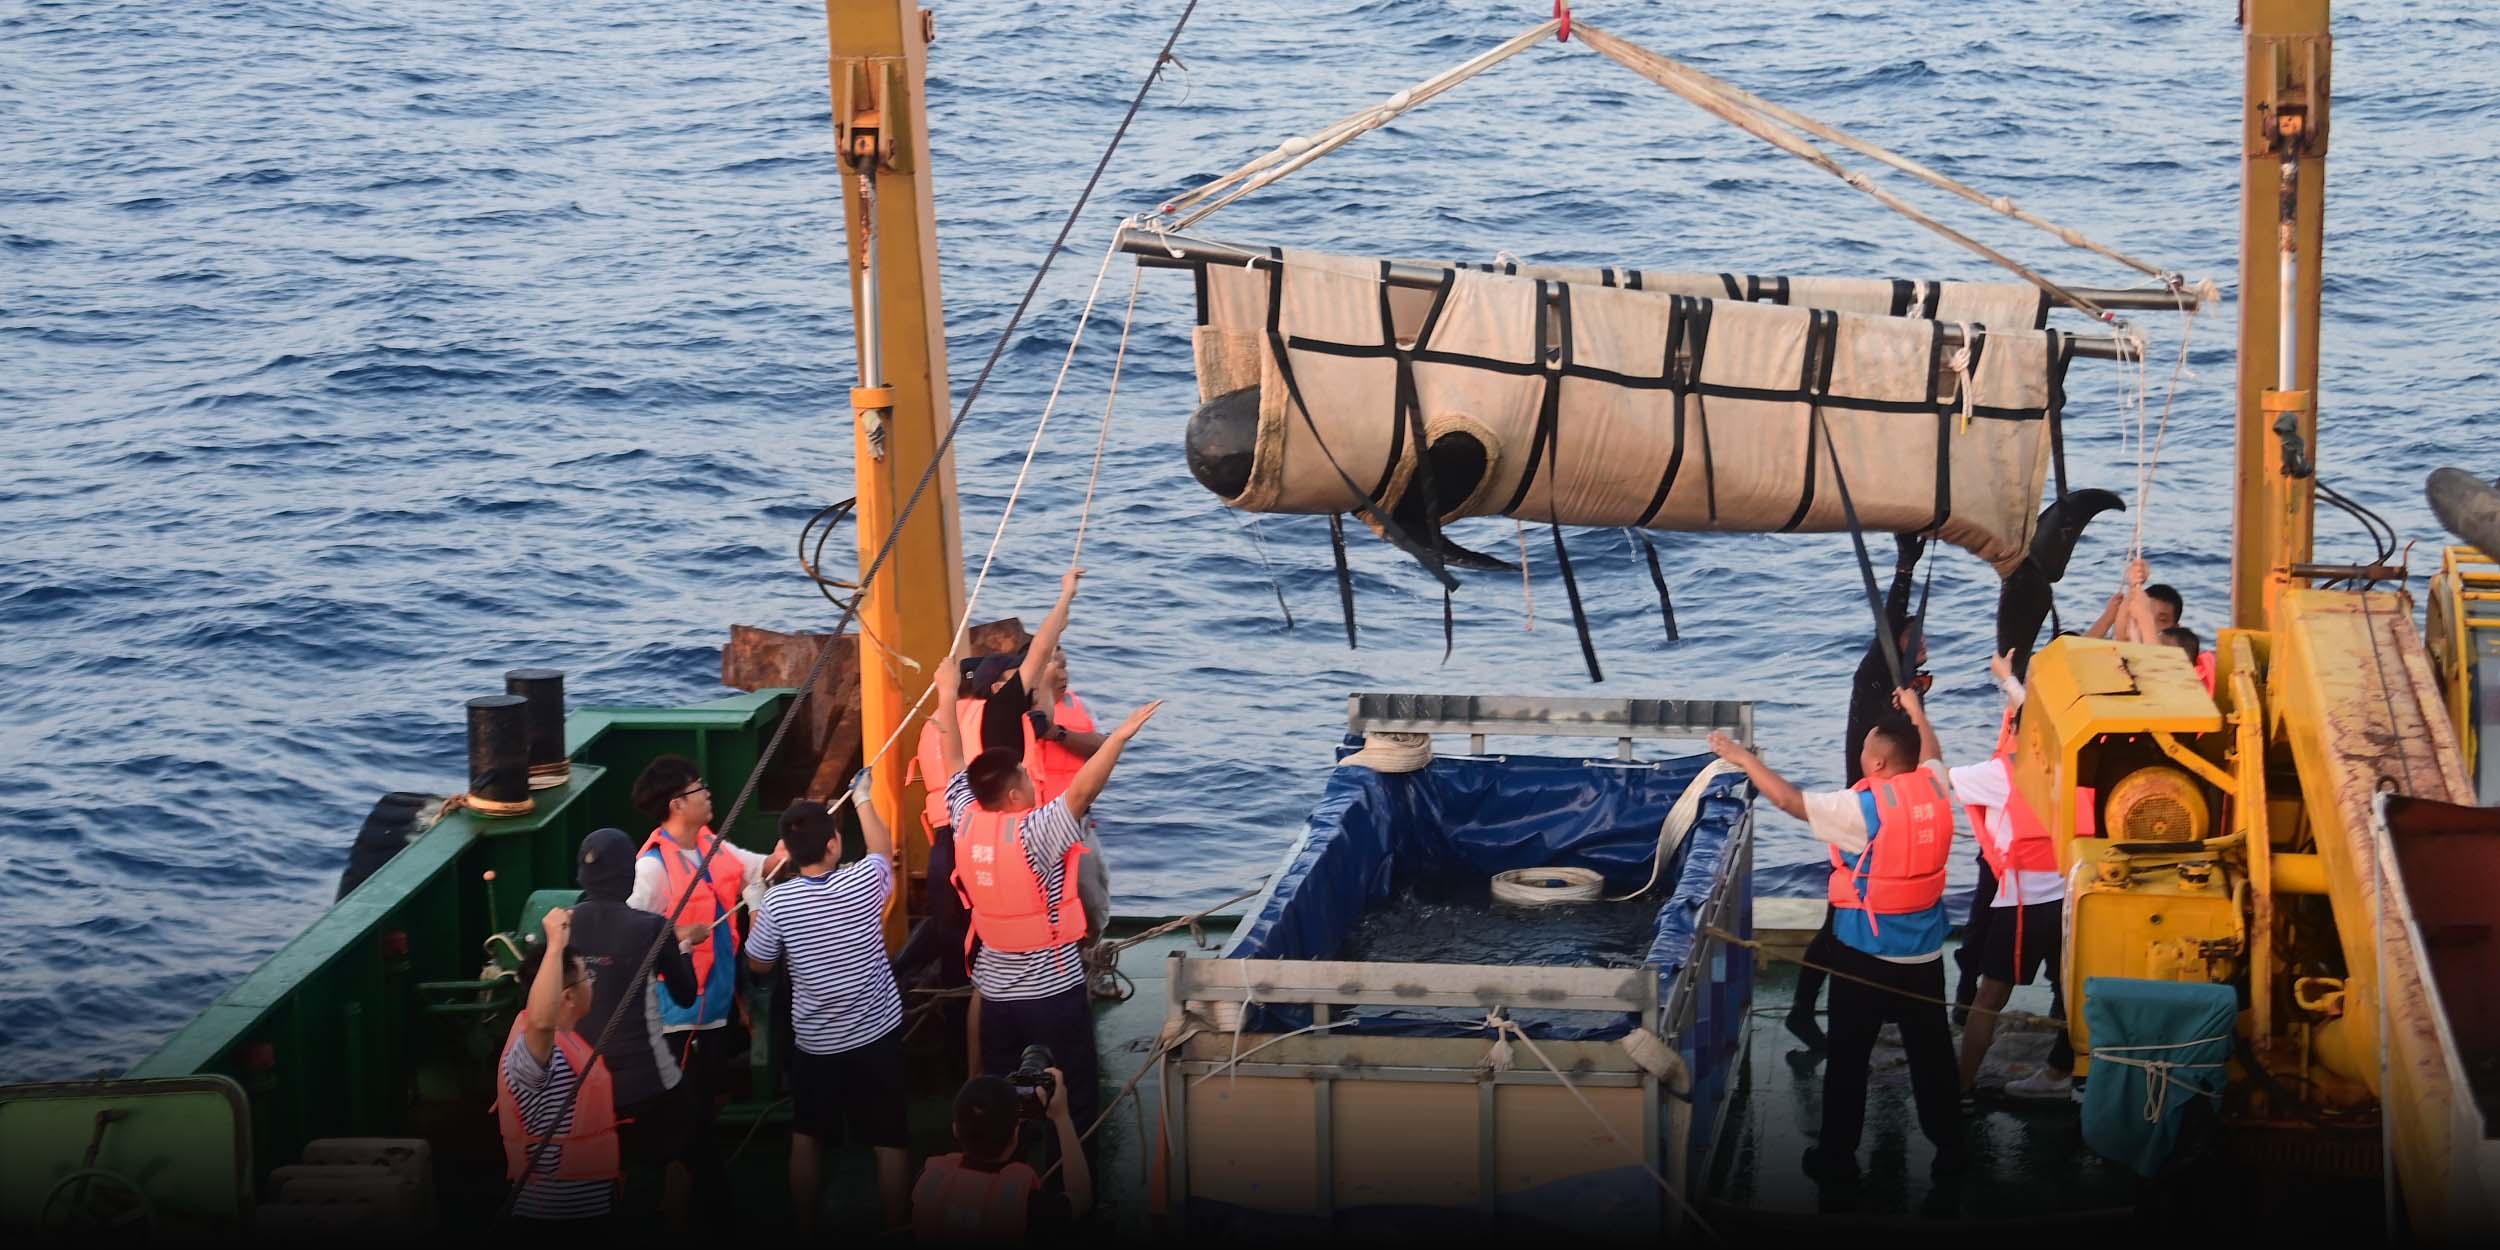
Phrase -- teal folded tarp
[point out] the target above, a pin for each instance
(2158, 1055)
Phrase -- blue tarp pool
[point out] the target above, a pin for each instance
(1472, 817)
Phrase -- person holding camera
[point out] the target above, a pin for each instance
(1015, 860)
(983, 1195)
(825, 928)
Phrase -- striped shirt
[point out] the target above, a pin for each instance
(544, 1093)
(1048, 832)
(828, 933)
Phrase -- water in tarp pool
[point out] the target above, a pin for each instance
(1457, 922)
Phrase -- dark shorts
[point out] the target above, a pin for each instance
(2040, 933)
(860, 1090)
(652, 1133)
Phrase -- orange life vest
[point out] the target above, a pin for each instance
(713, 904)
(930, 762)
(2033, 849)
(589, 1151)
(1052, 764)
(1010, 909)
(956, 1205)
(1902, 868)
(2205, 671)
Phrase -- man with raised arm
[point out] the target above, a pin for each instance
(825, 928)
(1014, 861)
(990, 713)
(2027, 931)
(1890, 837)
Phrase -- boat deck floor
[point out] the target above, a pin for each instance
(2028, 1160)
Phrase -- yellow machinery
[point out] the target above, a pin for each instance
(2463, 629)
(2237, 837)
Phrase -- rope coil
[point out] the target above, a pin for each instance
(1547, 887)
(2158, 1077)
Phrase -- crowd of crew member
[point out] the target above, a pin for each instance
(633, 1023)
(1889, 836)
(597, 1103)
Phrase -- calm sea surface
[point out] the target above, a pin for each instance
(355, 352)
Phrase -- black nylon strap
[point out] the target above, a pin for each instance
(2061, 354)
(1822, 339)
(1345, 577)
(1680, 319)
(1866, 571)
(1658, 578)
(1944, 430)
(1549, 438)
(1389, 528)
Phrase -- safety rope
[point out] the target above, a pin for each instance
(1676, 77)
(1015, 492)
(1190, 922)
(1111, 399)
(2157, 1072)
(2002, 1013)
(1258, 544)
(1507, 1029)
(1299, 151)
(1679, 821)
(850, 610)
(2150, 464)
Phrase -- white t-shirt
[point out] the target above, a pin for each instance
(1989, 786)
(1838, 818)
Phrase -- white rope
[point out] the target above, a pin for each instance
(1960, 364)
(2206, 296)
(1547, 887)
(1102, 437)
(1679, 822)
(2157, 1072)
(1014, 493)
(1507, 1030)
(1386, 752)
(1239, 1054)
(1300, 150)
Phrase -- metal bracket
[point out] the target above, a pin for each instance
(868, 115)
(2196, 764)
(2293, 103)
(1478, 715)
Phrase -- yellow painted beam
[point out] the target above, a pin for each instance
(878, 70)
(2288, 60)
(2361, 710)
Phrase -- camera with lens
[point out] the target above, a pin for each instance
(1033, 1081)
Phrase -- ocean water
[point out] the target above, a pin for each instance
(356, 352)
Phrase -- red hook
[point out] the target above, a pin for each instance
(1562, 14)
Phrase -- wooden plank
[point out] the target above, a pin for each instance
(1405, 1145)
(1250, 1143)
(1353, 1051)
(1219, 1070)
(1417, 985)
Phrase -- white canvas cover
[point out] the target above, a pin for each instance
(1610, 404)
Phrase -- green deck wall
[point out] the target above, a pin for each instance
(330, 1037)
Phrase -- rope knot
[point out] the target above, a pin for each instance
(2003, 204)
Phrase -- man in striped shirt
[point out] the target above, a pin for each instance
(542, 1083)
(825, 928)
(1035, 995)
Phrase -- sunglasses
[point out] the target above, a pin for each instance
(691, 791)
